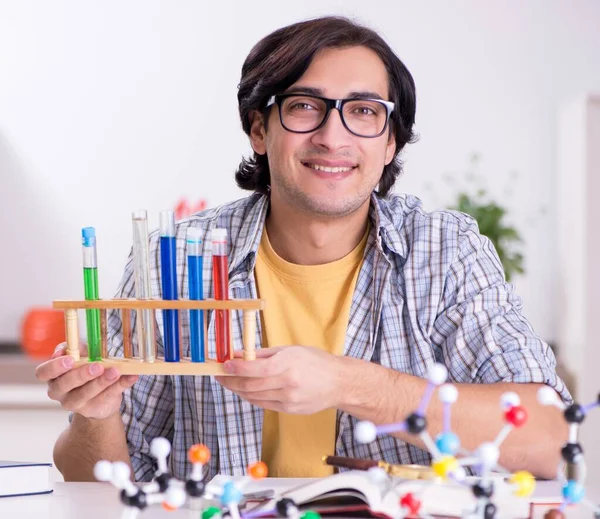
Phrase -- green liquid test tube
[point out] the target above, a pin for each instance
(90, 285)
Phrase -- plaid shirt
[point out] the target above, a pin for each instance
(431, 289)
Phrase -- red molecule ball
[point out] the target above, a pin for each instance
(199, 454)
(411, 503)
(516, 415)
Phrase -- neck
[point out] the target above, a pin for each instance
(310, 240)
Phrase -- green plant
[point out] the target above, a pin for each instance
(490, 217)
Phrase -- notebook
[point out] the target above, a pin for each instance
(24, 479)
(355, 492)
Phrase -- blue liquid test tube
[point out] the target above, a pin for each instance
(168, 271)
(195, 263)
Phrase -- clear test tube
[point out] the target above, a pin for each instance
(141, 265)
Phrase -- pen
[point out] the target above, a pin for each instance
(401, 471)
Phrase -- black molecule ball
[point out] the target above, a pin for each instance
(416, 424)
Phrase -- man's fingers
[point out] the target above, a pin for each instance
(61, 349)
(78, 397)
(265, 353)
(101, 405)
(73, 379)
(255, 368)
(250, 384)
(262, 396)
(54, 368)
(261, 353)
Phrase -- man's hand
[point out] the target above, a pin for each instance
(289, 379)
(88, 390)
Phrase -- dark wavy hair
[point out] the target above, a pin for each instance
(277, 61)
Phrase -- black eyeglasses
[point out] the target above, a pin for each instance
(301, 113)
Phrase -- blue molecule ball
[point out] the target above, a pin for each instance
(231, 495)
(448, 443)
(573, 492)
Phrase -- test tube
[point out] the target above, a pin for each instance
(221, 290)
(90, 286)
(141, 265)
(195, 264)
(168, 271)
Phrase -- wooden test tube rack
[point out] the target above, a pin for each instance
(130, 365)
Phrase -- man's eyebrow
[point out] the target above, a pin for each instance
(318, 92)
(365, 95)
(305, 90)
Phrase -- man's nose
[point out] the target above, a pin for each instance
(333, 134)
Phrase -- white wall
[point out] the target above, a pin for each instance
(109, 106)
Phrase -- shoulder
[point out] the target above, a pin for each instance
(237, 217)
(438, 229)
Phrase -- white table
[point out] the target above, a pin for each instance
(101, 501)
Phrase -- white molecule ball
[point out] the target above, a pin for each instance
(121, 473)
(103, 470)
(448, 393)
(488, 454)
(377, 475)
(365, 432)
(546, 395)
(160, 448)
(437, 374)
(459, 474)
(175, 497)
(509, 399)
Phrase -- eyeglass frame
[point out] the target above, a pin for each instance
(330, 104)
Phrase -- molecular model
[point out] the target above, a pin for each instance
(222, 503)
(446, 446)
(167, 490)
(573, 490)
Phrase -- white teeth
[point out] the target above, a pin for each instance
(329, 170)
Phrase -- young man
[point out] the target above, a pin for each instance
(364, 290)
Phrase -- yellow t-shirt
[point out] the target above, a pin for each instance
(307, 305)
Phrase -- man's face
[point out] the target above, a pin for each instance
(357, 162)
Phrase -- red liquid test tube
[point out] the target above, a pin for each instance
(221, 291)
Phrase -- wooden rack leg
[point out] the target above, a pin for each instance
(72, 327)
(103, 332)
(249, 334)
(126, 319)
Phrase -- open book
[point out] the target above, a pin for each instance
(357, 493)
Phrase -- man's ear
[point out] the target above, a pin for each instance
(258, 133)
(390, 147)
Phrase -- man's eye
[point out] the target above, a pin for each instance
(302, 106)
(364, 110)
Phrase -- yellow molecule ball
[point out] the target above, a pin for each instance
(258, 470)
(444, 466)
(524, 482)
(199, 454)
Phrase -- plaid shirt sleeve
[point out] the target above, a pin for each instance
(146, 408)
(480, 329)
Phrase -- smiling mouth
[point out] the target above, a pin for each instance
(327, 169)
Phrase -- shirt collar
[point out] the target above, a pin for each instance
(387, 220)
(387, 216)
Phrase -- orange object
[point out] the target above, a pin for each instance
(258, 470)
(199, 454)
(42, 330)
